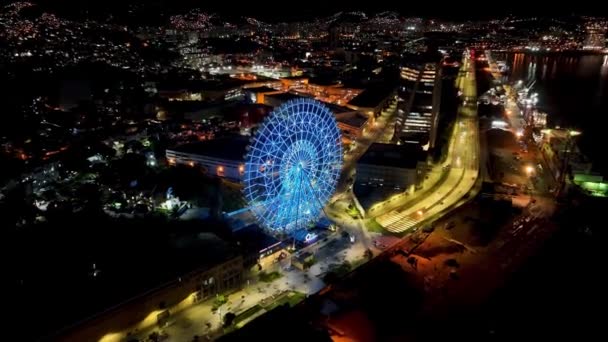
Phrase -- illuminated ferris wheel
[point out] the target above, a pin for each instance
(292, 165)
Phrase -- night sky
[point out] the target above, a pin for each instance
(284, 10)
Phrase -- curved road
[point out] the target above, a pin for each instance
(464, 163)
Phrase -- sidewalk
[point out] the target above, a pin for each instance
(200, 320)
(435, 177)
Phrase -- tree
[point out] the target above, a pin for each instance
(330, 277)
(90, 193)
(154, 336)
(130, 167)
(229, 319)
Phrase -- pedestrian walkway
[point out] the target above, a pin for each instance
(401, 224)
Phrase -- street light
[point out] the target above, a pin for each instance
(529, 170)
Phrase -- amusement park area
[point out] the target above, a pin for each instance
(171, 174)
(311, 193)
(298, 195)
(325, 189)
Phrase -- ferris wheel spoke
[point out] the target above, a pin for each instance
(293, 165)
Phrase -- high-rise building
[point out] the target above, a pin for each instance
(339, 33)
(420, 92)
(596, 36)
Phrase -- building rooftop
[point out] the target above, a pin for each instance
(252, 238)
(254, 112)
(401, 156)
(201, 85)
(337, 109)
(285, 96)
(323, 81)
(233, 148)
(170, 250)
(295, 78)
(372, 97)
(262, 89)
(357, 120)
(417, 59)
(180, 107)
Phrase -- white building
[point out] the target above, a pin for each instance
(224, 157)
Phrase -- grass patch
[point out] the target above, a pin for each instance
(269, 277)
(337, 272)
(358, 263)
(343, 268)
(229, 329)
(373, 226)
(309, 262)
(352, 211)
(219, 301)
(247, 313)
(290, 298)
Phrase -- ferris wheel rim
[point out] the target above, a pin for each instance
(293, 165)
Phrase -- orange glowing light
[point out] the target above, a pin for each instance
(529, 170)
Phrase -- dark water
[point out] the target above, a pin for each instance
(573, 90)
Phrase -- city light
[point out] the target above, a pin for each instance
(269, 129)
(499, 124)
(529, 170)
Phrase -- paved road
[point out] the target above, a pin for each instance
(370, 135)
(343, 197)
(463, 156)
